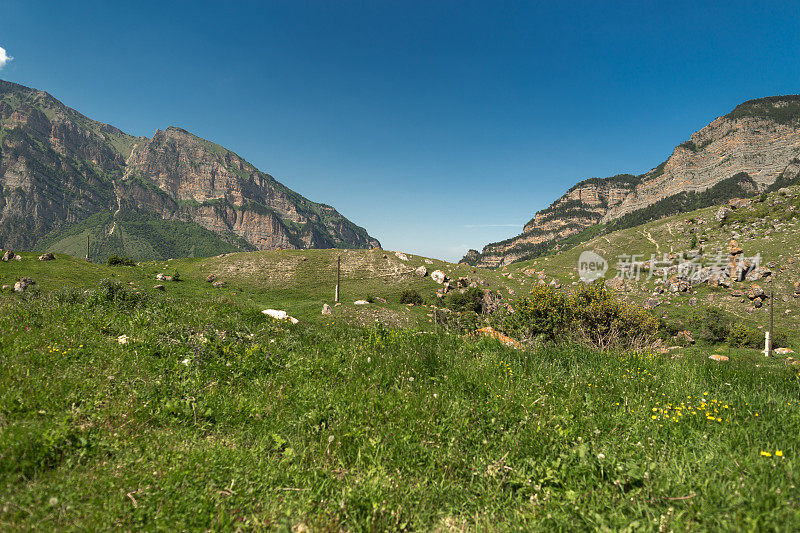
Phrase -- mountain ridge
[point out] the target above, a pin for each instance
(59, 167)
(759, 138)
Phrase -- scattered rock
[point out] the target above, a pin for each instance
(756, 292)
(651, 303)
(685, 336)
(8, 256)
(428, 262)
(401, 256)
(722, 213)
(553, 283)
(717, 357)
(693, 301)
(783, 351)
(326, 309)
(218, 284)
(211, 278)
(280, 315)
(490, 332)
(47, 256)
(23, 284)
(421, 271)
(161, 277)
(438, 276)
(159, 287)
(734, 249)
(381, 300)
(361, 302)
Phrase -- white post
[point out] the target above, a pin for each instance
(767, 344)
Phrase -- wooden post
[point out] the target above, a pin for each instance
(338, 276)
(87, 246)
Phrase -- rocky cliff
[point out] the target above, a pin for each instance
(751, 148)
(58, 168)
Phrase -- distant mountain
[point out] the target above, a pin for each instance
(64, 176)
(753, 148)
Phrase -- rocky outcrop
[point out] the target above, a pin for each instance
(758, 143)
(58, 167)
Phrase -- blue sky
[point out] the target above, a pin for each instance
(437, 125)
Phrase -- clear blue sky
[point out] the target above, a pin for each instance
(437, 125)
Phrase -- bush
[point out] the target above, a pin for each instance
(590, 313)
(116, 260)
(471, 300)
(410, 296)
(741, 336)
(712, 326)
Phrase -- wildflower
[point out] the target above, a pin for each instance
(766, 454)
(603, 456)
(778, 453)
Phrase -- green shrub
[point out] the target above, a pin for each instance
(116, 260)
(471, 300)
(410, 296)
(741, 336)
(711, 325)
(591, 313)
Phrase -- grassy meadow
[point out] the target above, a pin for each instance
(122, 407)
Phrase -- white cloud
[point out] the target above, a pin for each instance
(4, 57)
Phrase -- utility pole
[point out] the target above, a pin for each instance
(338, 276)
(87, 246)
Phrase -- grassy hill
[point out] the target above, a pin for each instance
(768, 228)
(125, 407)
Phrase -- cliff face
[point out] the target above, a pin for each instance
(759, 139)
(57, 167)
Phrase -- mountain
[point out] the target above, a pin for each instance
(754, 148)
(64, 177)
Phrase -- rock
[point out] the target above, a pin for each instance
(693, 301)
(756, 292)
(47, 256)
(490, 332)
(211, 278)
(553, 283)
(326, 309)
(734, 249)
(783, 351)
(462, 283)
(160, 277)
(717, 357)
(23, 284)
(797, 288)
(615, 284)
(279, 315)
(159, 287)
(8, 256)
(438, 276)
(6, 287)
(218, 284)
(758, 273)
(361, 302)
(736, 293)
(381, 300)
(739, 203)
(428, 262)
(722, 213)
(401, 256)
(421, 271)
(685, 336)
(651, 303)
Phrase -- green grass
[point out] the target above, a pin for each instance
(213, 416)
